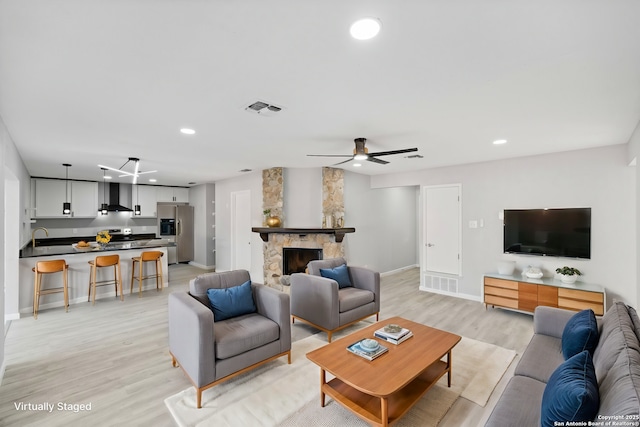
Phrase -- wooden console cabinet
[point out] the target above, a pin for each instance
(525, 295)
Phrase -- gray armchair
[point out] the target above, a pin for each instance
(212, 352)
(320, 302)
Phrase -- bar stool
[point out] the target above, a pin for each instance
(49, 267)
(148, 256)
(105, 261)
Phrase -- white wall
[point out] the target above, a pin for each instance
(302, 197)
(385, 221)
(12, 166)
(598, 178)
(633, 157)
(252, 182)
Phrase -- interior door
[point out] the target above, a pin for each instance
(442, 229)
(241, 230)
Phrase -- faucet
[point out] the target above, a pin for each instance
(33, 233)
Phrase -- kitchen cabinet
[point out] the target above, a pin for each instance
(50, 194)
(173, 194)
(147, 197)
(520, 294)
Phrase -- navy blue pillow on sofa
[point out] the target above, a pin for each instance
(572, 392)
(231, 302)
(580, 333)
(340, 274)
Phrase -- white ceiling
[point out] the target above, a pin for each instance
(98, 81)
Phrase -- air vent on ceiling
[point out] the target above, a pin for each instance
(263, 108)
(414, 156)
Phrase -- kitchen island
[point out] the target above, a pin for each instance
(78, 261)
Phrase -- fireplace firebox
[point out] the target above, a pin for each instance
(295, 260)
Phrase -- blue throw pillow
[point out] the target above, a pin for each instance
(580, 333)
(231, 302)
(571, 393)
(340, 274)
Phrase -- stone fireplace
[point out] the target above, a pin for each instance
(327, 240)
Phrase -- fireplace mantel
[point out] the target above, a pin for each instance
(337, 232)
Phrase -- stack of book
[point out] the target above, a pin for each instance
(369, 354)
(393, 337)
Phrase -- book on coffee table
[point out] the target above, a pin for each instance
(393, 340)
(358, 349)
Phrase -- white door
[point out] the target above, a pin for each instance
(441, 225)
(241, 230)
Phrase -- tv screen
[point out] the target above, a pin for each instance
(550, 232)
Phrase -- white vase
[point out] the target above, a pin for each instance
(568, 279)
(506, 268)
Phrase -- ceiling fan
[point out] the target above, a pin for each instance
(136, 171)
(362, 153)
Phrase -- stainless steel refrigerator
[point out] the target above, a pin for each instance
(175, 222)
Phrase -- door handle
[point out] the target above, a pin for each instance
(429, 245)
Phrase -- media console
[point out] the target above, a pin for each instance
(523, 294)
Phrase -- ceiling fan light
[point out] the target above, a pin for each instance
(361, 156)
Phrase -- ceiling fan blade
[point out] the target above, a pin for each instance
(375, 160)
(348, 160)
(330, 155)
(388, 153)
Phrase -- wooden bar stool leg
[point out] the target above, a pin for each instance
(66, 289)
(35, 294)
(133, 269)
(90, 273)
(119, 284)
(158, 275)
(94, 278)
(140, 279)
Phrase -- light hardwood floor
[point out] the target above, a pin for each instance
(114, 355)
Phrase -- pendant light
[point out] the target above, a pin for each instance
(66, 206)
(136, 208)
(103, 208)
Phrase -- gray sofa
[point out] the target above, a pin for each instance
(616, 360)
(320, 302)
(211, 352)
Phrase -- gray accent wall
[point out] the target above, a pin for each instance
(202, 198)
(599, 178)
(386, 225)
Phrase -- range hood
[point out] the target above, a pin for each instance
(114, 199)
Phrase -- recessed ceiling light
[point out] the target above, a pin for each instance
(107, 177)
(187, 131)
(499, 141)
(356, 165)
(152, 180)
(365, 29)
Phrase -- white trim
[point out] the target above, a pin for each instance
(398, 270)
(452, 294)
(2, 369)
(12, 316)
(205, 267)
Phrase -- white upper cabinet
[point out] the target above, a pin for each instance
(173, 194)
(147, 197)
(84, 199)
(50, 194)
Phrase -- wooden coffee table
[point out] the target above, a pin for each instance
(384, 389)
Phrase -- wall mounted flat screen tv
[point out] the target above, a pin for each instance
(548, 232)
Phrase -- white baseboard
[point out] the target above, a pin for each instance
(452, 294)
(204, 267)
(398, 270)
(2, 368)
(12, 316)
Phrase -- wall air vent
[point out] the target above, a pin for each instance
(263, 108)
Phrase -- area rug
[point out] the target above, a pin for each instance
(278, 394)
